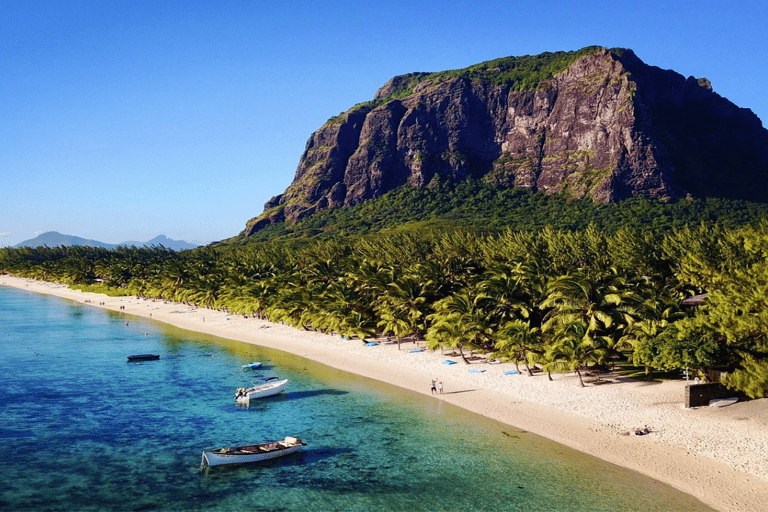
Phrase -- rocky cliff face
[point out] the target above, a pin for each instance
(607, 126)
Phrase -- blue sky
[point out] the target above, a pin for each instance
(124, 119)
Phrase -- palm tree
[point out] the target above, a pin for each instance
(505, 293)
(656, 309)
(291, 301)
(402, 308)
(356, 323)
(259, 295)
(573, 347)
(458, 323)
(602, 301)
(448, 332)
(517, 341)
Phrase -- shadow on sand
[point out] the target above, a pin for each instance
(457, 392)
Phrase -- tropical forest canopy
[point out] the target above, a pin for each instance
(550, 298)
(476, 205)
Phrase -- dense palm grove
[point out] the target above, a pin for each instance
(548, 300)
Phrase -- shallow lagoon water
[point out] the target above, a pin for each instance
(83, 429)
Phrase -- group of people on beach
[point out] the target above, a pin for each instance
(437, 387)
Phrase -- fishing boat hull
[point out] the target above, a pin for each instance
(261, 391)
(252, 453)
(143, 357)
(723, 402)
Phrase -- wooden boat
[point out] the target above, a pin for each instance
(722, 402)
(251, 453)
(143, 357)
(268, 387)
(252, 366)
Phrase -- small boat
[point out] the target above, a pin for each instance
(143, 357)
(268, 387)
(252, 366)
(252, 453)
(722, 402)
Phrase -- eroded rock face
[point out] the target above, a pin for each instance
(608, 127)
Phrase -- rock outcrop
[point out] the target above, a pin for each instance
(606, 126)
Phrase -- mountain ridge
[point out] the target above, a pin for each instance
(56, 239)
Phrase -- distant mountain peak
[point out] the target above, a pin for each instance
(56, 239)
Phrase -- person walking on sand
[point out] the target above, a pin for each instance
(433, 388)
(440, 387)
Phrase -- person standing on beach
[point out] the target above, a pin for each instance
(440, 387)
(434, 389)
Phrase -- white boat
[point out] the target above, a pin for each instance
(270, 386)
(253, 365)
(251, 453)
(722, 402)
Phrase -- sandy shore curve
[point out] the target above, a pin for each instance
(719, 455)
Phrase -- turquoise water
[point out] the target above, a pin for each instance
(85, 430)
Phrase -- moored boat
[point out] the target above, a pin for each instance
(723, 402)
(252, 366)
(251, 453)
(143, 357)
(270, 386)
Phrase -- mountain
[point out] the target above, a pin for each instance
(54, 239)
(168, 243)
(595, 123)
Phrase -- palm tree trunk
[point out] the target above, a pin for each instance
(528, 369)
(462, 354)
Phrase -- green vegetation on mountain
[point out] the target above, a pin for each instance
(479, 206)
(516, 73)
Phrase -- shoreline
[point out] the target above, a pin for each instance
(718, 455)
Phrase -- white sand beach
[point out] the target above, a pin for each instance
(719, 455)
